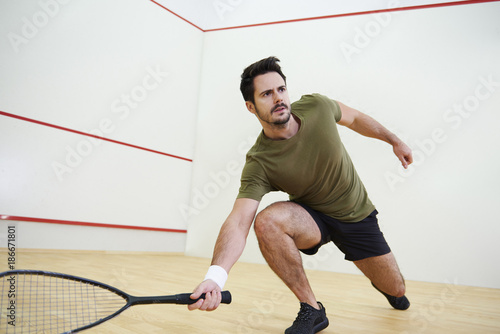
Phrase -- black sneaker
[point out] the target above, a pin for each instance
(309, 320)
(399, 303)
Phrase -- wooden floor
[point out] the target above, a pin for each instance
(261, 303)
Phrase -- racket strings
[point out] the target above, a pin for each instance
(47, 304)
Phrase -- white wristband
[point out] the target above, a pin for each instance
(217, 274)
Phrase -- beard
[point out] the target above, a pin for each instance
(270, 119)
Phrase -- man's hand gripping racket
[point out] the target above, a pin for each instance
(212, 296)
(211, 288)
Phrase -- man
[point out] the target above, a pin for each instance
(299, 152)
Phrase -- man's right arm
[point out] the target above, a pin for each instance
(228, 248)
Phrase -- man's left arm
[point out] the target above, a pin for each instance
(367, 126)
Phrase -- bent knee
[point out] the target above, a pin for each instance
(290, 219)
(264, 224)
(269, 220)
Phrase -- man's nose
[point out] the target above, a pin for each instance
(278, 97)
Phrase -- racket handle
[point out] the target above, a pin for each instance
(183, 298)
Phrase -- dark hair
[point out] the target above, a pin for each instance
(261, 67)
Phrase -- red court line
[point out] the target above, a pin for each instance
(76, 223)
(191, 23)
(89, 135)
(436, 5)
(447, 4)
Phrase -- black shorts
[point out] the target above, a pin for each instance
(357, 241)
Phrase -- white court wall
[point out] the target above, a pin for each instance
(125, 70)
(431, 76)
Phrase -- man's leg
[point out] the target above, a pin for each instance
(383, 272)
(282, 229)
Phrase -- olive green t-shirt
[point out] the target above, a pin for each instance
(312, 167)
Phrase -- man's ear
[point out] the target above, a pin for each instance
(250, 106)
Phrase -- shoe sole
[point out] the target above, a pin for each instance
(322, 325)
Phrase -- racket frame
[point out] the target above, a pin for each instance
(183, 298)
